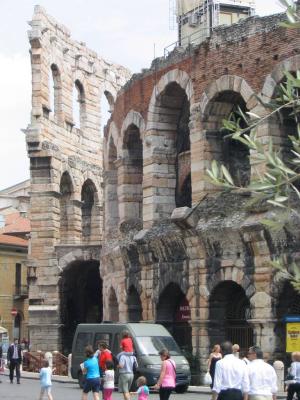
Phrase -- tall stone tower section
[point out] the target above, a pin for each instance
(64, 144)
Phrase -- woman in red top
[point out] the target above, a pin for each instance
(104, 355)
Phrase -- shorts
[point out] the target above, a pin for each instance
(125, 382)
(91, 384)
(45, 390)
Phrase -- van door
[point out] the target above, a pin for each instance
(83, 339)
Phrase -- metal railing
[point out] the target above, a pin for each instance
(32, 361)
(60, 364)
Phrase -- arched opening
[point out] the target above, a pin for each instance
(66, 208)
(131, 199)
(135, 312)
(113, 306)
(79, 108)
(173, 311)
(111, 189)
(17, 326)
(106, 107)
(80, 298)
(54, 89)
(232, 153)
(89, 217)
(229, 310)
(288, 304)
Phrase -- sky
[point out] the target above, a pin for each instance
(121, 31)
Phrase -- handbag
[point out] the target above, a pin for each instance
(207, 379)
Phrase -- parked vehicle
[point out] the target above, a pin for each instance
(148, 340)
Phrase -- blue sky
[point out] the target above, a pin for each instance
(119, 30)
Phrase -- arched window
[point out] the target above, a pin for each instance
(55, 90)
(107, 107)
(79, 108)
(113, 306)
(111, 189)
(66, 208)
(134, 305)
(88, 210)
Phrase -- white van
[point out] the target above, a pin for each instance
(148, 340)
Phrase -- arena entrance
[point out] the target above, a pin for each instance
(80, 298)
(173, 311)
(229, 310)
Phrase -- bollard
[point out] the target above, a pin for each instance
(69, 365)
(279, 369)
(49, 358)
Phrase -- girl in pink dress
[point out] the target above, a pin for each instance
(143, 390)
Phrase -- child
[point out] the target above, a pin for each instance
(143, 390)
(45, 380)
(126, 343)
(108, 381)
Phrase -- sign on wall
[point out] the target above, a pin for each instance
(292, 337)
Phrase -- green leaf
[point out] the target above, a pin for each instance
(227, 175)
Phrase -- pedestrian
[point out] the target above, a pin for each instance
(214, 356)
(231, 376)
(14, 358)
(1, 361)
(127, 363)
(108, 380)
(143, 390)
(90, 369)
(245, 358)
(104, 355)
(45, 381)
(262, 376)
(126, 344)
(295, 374)
(167, 379)
(236, 350)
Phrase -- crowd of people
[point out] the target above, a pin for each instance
(250, 377)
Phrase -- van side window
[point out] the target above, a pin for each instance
(83, 339)
(102, 337)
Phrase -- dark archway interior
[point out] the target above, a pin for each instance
(88, 201)
(168, 313)
(177, 105)
(229, 309)
(113, 306)
(66, 189)
(288, 304)
(81, 298)
(134, 305)
(232, 153)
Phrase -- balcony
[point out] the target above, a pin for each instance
(21, 292)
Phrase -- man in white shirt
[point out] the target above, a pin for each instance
(262, 376)
(231, 376)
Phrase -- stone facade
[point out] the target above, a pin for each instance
(66, 168)
(171, 247)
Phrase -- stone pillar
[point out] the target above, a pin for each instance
(279, 369)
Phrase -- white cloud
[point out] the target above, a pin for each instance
(15, 113)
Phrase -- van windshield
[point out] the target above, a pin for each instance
(151, 345)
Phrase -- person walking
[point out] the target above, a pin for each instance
(262, 376)
(214, 356)
(143, 390)
(104, 355)
(127, 363)
(231, 376)
(45, 381)
(167, 379)
(14, 358)
(90, 369)
(108, 380)
(295, 373)
(1, 361)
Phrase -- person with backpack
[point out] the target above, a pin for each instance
(127, 365)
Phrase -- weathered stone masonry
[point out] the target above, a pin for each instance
(213, 254)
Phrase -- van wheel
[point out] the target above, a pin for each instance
(181, 388)
(80, 378)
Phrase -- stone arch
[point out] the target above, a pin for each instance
(90, 212)
(113, 136)
(229, 312)
(66, 205)
(222, 100)
(55, 90)
(80, 290)
(110, 92)
(130, 172)
(79, 103)
(113, 305)
(134, 305)
(167, 140)
(173, 311)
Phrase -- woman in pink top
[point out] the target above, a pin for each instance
(167, 379)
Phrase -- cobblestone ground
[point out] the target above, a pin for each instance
(29, 390)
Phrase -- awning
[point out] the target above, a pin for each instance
(3, 330)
